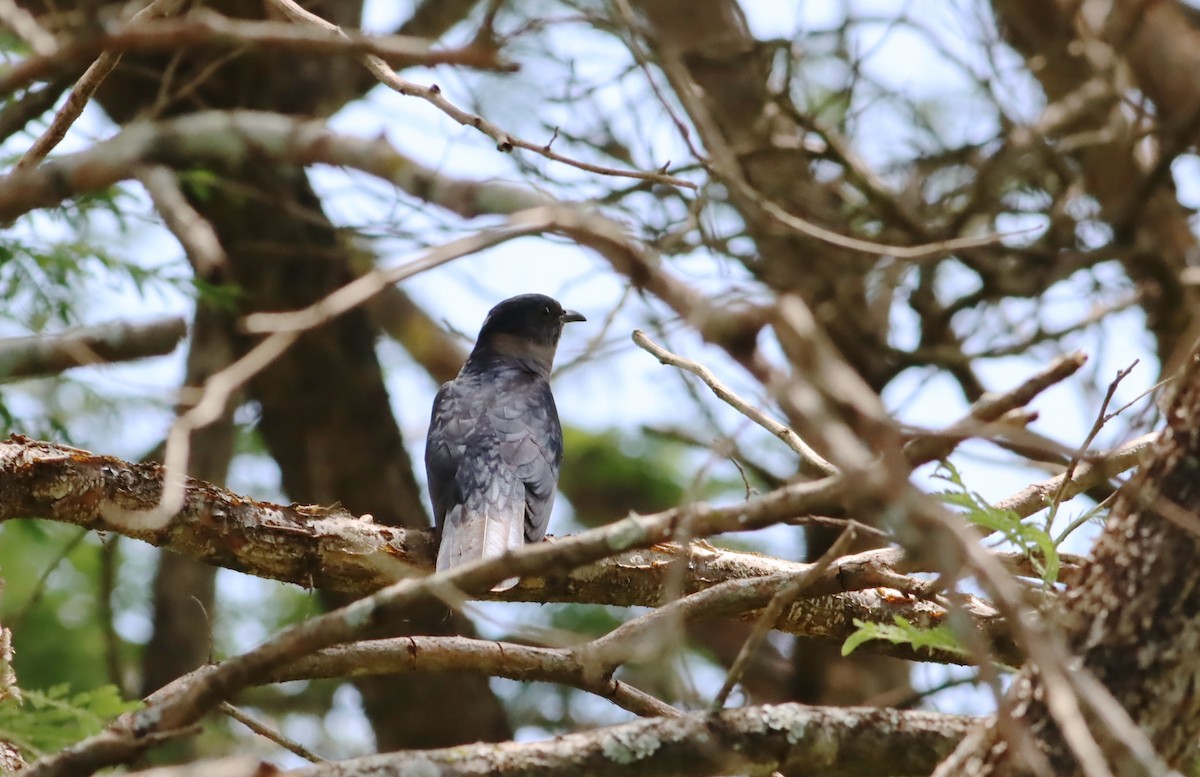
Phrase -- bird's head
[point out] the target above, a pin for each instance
(525, 327)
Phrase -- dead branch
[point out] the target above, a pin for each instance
(85, 87)
(206, 28)
(991, 408)
(807, 455)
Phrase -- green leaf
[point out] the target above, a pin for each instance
(903, 633)
(48, 721)
(1033, 541)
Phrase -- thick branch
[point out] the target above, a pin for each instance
(754, 740)
(25, 357)
(211, 29)
(328, 548)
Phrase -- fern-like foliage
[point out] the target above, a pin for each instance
(48, 721)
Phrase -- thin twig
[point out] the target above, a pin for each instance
(809, 456)
(267, 732)
(505, 141)
(84, 88)
(992, 407)
(1102, 418)
(205, 28)
(770, 614)
(724, 166)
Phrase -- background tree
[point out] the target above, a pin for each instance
(878, 236)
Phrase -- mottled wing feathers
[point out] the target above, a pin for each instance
(492, 458)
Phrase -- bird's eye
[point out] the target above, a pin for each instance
(547, 311)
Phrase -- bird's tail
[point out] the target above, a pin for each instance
(472, 532)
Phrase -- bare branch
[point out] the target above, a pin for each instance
(505, 141)
(26, 357)
(497, 659)
(195, 234)
(268, 733)
(808, 456)
(206, 28)
(326, 548)
(85, 87)
(991, 408)
(180, 705)
(1090, 472)
(756, 740)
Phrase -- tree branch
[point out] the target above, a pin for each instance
(991, 408)
(85, 87)
(808, 456)
(206, 28)
(26, 357)
(784, 737)
(505, 141)
(330, 549)
(497, 659)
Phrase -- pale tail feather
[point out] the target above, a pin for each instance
(487, 534)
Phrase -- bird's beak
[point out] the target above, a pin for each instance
(571, 315)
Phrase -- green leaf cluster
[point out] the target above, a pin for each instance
(47, 721)
(901, 632)
(1032, 540)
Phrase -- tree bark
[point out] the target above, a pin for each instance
(1134, 621)
(749, 740)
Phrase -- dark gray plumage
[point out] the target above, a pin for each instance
(495, 443)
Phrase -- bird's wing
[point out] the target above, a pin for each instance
(476, 497)
(444, 448)
(492, 459)
(533, 447)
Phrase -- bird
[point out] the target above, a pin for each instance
(495, 443)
